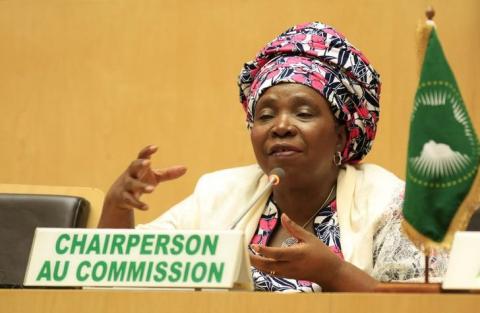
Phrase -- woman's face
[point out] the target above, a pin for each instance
(295, 129)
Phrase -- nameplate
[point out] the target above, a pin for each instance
(138, 258)
(463, 270)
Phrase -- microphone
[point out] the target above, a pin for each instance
(274, 179)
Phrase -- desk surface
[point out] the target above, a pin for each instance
(138, 301)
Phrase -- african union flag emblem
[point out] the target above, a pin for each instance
(443, 153)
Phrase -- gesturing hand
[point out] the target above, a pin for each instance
(139, 178)
(310, 259)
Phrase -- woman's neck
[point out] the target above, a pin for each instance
(301, 202)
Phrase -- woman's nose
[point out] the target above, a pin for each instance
(283, 127)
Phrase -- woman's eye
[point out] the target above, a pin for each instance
(265, 117)
(304, 114)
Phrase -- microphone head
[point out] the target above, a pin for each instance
(276, 175)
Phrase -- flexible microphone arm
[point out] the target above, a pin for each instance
(273, 179)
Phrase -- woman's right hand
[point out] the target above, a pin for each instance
(137, 179)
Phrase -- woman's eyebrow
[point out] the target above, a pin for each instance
(266, 102)
(299, 102)
(302, 97)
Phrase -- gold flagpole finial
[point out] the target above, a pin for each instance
(423, 32)
(430, 13)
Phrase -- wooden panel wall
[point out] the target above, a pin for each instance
(84, 84)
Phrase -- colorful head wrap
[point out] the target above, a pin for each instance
(318, 56)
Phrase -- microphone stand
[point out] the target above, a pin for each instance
(273, 179)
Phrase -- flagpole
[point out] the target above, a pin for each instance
(423, 33)
(427, 266)
(429, 13)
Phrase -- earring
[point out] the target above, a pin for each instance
(337, 158)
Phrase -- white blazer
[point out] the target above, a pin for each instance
(364, 192)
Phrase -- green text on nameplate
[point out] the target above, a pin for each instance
(137, 258)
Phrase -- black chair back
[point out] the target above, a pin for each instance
(20, 214)
(474, 224)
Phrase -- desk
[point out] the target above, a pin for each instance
(149, 301)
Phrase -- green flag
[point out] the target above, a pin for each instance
(442, 187)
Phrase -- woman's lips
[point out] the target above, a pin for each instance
(285, 153)
(284, 150)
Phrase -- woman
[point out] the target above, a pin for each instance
(312, 108)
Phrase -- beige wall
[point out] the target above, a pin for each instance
(84, 84)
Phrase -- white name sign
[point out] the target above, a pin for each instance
(463, 270)
(138, 258)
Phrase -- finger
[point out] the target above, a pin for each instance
(169, 173)
(135, 186)
(138, 168)
(294, 229)
(131, 201)
(269, 266)
(278, 253)
(147, 152)
(262, 263)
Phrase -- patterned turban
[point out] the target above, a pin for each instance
(318, 56)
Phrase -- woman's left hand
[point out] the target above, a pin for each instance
(310, 259)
